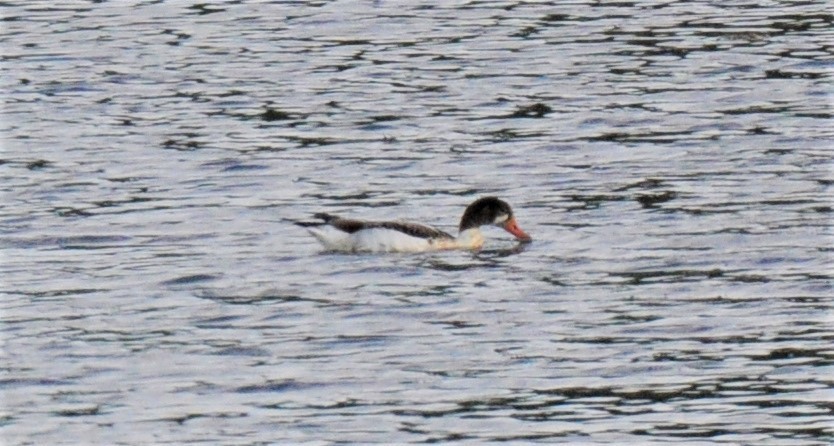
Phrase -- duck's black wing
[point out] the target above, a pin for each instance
(413, 229)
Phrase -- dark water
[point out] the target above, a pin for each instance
(672, 161)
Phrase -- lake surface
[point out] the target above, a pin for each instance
(671, 160)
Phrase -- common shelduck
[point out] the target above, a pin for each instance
(348, 235)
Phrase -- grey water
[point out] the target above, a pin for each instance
(672, 161)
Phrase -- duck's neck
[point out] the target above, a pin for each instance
(470, 238)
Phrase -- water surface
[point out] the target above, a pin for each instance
(671, 160)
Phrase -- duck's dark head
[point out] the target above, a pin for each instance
(492, 211)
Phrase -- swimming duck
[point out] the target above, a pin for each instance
(341, 234)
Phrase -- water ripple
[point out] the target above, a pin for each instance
(670, 160)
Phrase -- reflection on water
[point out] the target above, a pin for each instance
(670, 160)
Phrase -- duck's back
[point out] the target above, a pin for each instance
(341, 234)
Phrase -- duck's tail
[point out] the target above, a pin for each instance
(325, 217)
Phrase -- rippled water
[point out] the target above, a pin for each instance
(672, 161)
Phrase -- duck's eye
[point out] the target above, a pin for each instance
(501, 218)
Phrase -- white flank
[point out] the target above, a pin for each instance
(389, 240)
(369, 240)
(332, 238)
